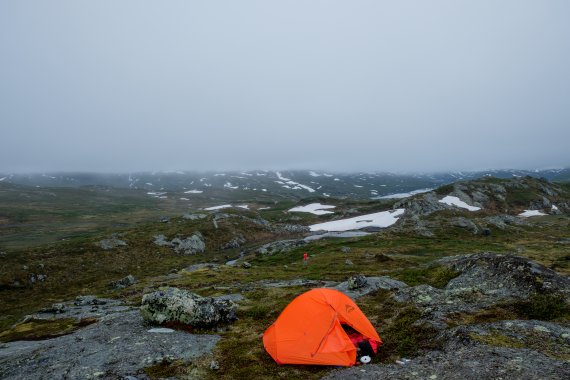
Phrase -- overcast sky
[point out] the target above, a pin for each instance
(336, 85)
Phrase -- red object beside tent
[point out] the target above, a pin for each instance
(309, 330)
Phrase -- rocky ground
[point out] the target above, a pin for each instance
(119, 344)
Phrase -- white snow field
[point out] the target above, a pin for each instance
(193, 192)
(313, 208)
(379, 219)
(454, 201)
(529, 213)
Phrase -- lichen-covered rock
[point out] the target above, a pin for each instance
(421, 205)
(356, 282)
(161, 241)
(183, 307)
(189, 245)
(280, 246)
(124, 282)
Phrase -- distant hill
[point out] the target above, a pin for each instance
(291, 184)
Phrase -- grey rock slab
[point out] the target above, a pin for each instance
(466, 363)
(118, 345)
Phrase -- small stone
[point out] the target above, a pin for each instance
(161, 330)
(433, 377)
(246, 265)
(345, 249)
(348, 262)
(214, 365)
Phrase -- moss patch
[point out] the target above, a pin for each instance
(39, 329)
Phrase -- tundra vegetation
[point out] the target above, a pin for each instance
(52, 253)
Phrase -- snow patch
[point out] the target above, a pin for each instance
(379, 219)
(217, 207)
(529, 213)
(403, 195)
(454, 201)
(193, 192)
(313, 174)
(296, 185)
(313, 208)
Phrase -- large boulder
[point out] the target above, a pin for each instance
(173, 305)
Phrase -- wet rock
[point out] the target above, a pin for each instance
(356, 282)
(124, 282)
(280, 246)
(180, 306)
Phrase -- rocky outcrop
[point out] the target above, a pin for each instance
(178, 306)
(424, 204)
(190, 245)
(484, 279)
(499, 350)
(465, 223)
(119, 345)
(280, 246)
(503, 221)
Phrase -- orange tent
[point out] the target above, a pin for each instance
(309, 330)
